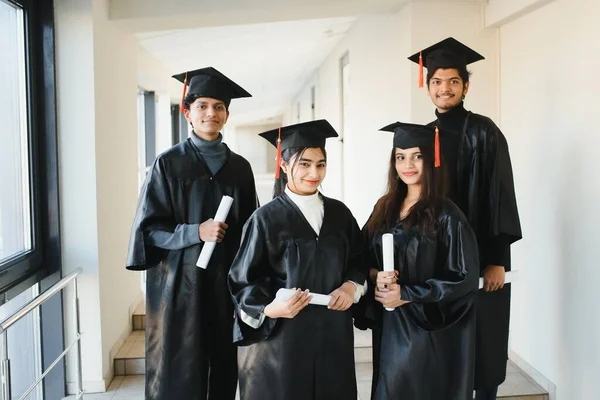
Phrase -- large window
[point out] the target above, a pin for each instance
(15, 196)
(29, 246)
(30, 259)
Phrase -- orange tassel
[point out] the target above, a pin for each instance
(437, 147)
(421, 79)
(278, 162)
(181, 107)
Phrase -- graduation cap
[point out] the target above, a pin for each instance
(407, 136)
(306, 134)
(449, 53)
(208, 82)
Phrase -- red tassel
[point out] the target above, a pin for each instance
(278, 162)
(421, 69)
(437, 147)
(185, 82)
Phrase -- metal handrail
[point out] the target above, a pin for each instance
(38, 300)
(23, 311)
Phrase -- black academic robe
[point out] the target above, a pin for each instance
(482, 186)
(189, 312)
(425, 350)
(311, 356)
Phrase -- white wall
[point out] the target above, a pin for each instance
(500, 12)
(245, 141)
(549, 105)
(383, 89)
(77, 171)
(464, 22)
(153, 76)
(164, 136)
(374, 102)
(115, 79)
(254, 148)
(97, 79)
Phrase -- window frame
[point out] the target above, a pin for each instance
(17, 272)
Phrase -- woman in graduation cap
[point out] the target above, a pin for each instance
(189, 353)
(424, 347)
(311, 243)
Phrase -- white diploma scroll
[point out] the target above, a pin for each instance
(387, 246)
(208, 247)
(509, 277)
(284, 294)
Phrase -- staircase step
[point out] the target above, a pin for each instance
(131, 360)
(131, 357)
(138, 318)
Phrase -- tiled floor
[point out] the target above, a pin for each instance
(128, 383)
(517, 386)
(121, 388)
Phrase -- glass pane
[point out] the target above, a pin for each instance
(15, 215)
(24, 345)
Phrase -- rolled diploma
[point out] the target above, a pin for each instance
(208, 247)
(387, 247)
(284, 294)
(509, 277)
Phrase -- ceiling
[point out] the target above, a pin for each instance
(269, 47)
(270, 60)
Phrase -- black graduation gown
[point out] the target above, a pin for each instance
(312, 355)
(482, 186)
(189, 312)
(425, 350)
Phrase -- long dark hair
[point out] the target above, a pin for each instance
(287, 155)
(424, 213)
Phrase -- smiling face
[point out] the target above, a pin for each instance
(305, 171)
(207, 116)
(409, 165)
(446, 89)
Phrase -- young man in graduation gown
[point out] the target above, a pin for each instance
(304, 240)
(481, 184)
(189, 312)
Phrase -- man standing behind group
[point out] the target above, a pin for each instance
(189, 312)
(481, 184)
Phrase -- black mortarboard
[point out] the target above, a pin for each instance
(449, 53)
(407, 136)
(208, 82)
(306, 134)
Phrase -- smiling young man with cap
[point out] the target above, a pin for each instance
(481, 184)
(189, 312)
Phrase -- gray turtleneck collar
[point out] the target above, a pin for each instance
(214, 153)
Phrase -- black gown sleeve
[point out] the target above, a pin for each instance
(366, 311)
(250, 285)
(155, 230)
(502, 213)
(356, 270)
(459, 273)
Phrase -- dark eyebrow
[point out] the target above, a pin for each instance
(449, 79)
(218, 103)
(309, 160)
(398, 153)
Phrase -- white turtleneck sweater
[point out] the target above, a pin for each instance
(313, 210)
(311, 207)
